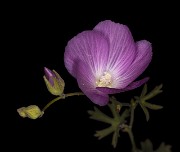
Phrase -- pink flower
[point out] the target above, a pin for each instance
(106, 60)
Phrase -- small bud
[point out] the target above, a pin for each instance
(32, 112)
(21, 112)
(55, 84)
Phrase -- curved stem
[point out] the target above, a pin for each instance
(51, 102)
(61, 97)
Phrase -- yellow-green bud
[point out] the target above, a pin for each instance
(21, 112)
(55, 84)
(32, 112)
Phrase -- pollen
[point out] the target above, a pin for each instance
(105, 80)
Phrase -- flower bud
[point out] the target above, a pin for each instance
(32, 112)
(21, 112)
(55, 84)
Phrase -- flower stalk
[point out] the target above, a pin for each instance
(63, 96)
(128, 128)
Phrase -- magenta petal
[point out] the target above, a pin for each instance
(91, 47)
(142, 60)
(99, 98)
(49, 75)
(136, 84)
(122, 46)
(132, 86)
(109, 90)
(87, 83)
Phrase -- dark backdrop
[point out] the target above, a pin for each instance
(39, 34)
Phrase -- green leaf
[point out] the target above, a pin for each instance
(115, 122)
(164, 148)
(147, 146)
(143, 97)
(113, 107)
(100, 116)
(103, 133)
(146, 112)
(154, 92)
(144, 91)
(152, 106)
(124, 115)
(136, 97)
(115, 137)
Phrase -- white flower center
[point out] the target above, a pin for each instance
(105, 80)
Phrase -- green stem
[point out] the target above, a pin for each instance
(51, 102)
(74, 94)
(131, 117)
(128, 128)
(61, 97)
(131, 136)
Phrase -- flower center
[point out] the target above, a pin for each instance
(105, 80)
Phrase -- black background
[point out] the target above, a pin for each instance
(38, 34)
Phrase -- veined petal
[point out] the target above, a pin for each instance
(87, 83)
(136, 84)
(49, 75)
(142, 60)
(99, 98)
(122, 46)
(132, 86)
(91, 47)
